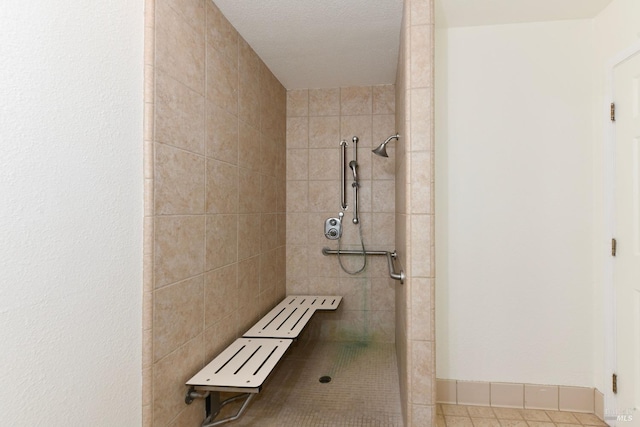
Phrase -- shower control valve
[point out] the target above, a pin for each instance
(333, 228)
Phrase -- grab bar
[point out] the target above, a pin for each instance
(343, 179)
(390, 257)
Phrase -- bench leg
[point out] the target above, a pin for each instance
(214, 406)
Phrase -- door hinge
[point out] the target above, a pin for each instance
(614, 383)
(614, 247)
(613, 112)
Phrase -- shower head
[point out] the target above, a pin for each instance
(382, 148)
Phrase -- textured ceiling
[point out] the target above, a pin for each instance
(336, 43)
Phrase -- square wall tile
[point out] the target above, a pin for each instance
(507, 395)
(297, 103)
(576, 399)
(474, 393)
(446, 391)
(324, 102)
(540, 397)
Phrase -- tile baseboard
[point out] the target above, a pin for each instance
(524, 396)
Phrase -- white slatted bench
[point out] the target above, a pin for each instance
(245, 365)
(288, 319)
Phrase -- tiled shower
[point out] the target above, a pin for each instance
(239, 177)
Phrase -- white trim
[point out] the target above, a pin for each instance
(609, 137)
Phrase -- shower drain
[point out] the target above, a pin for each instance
(325, 379)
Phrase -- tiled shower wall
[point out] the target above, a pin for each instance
(317, 120)
(415, 333)
(215, 197)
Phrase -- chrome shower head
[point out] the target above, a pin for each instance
(382, 148)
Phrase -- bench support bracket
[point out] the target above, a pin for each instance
(213, 405)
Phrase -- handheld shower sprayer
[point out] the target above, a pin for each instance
(354, 168)
(353, 164)
(382, 148)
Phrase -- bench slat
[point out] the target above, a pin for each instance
(288, 319)
(245, 365)
(318, 302)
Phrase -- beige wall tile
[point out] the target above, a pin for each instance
(220, 294)
(540, 397)
(356, 100)
(421, 119)
(423, 378)
(324, 164)
(507, 395)
(297, 132)
(223, 89)
(249, 196)
(421, 56)
(268, 231)
(383, 229)
(473, 393)
(384, 99)
(297, 165)
(297, 228)
(269, 154)
(422, 414)
(248, 278)
(180, 48)
(178, 314)
(446, 391)
(323, 195)
(297, 196)
(249, 85)
(222, 240)
(421, 186)
(421, 304)
(239, 181)
(324, 102)
(360, 126)
(222, 187)
(381, 325)
(179, 113)
(249, 236)
(297, 103)
(220, 33)
(268, 194)
(383, 199)
(191, 415)
(324, 132)
(576, 399)
(192, 11)
(421, 12)
(421, 245)
(249, 155)
(220, 335)
(222, 134)
(268, 271)
(179, 248)
(179, 181)
(169, 376)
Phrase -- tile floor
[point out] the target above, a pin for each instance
(363, 390)
(481, 416)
